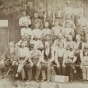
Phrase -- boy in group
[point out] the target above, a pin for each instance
(68, 10)
(56, 30)
(67, 30)
(37, 31)
(69, 20)
(26, 30)
(36, 20)
(46, 31)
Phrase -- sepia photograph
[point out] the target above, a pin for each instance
(43, 43)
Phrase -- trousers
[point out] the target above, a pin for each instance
(48, 71)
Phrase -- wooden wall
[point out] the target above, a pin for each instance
(14, 29)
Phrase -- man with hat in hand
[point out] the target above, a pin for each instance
(35, 58)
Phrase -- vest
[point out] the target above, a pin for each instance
(49, 17)
(46, 57)
(80, 46)
(84, 51)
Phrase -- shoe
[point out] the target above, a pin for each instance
(37, 80)
(16, 75)
(74, 71)
(43, 80)
(71, 81)
(85, 82)
(48, 81)
(2, 77)
(22, 80)
(28, 80)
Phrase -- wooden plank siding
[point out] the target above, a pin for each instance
(14, 29)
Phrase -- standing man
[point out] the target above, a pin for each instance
(41, 12)
(68, 10)
(24, 19)
(36, 20)
(49, 16)
(30, 10)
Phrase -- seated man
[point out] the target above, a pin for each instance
(70, 62)
(23, 57)
(47, 63)
(24, 39)
(79, 50)
(36, 41)
(8, 59)
(84, 64)
(35, 58)
(60, 59)
(60, 39)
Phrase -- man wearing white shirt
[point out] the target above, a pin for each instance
(77, 10)
(68, 10)
(37, 42)
(26, 30)
(24, 19)
(56, 30)
(48, 58)
(60, 39)
(37, 32)
(46, 31)
(83, 20)
(79, 50)
(68, 19)
(23, 57)
(60, 58)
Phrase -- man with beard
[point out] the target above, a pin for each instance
(9, 59)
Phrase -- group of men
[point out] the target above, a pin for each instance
(53, 43)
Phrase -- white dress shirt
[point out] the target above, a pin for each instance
(56, 30)
(27, 31)
(22, 20)
(24, 52)
(46, 32)
(37, 33)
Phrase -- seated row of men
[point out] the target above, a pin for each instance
(64, 55)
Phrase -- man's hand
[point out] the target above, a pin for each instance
(2, 62)
(63, 65)
(44, 61)
(58, 65)
(38, 64)
(31, 64)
